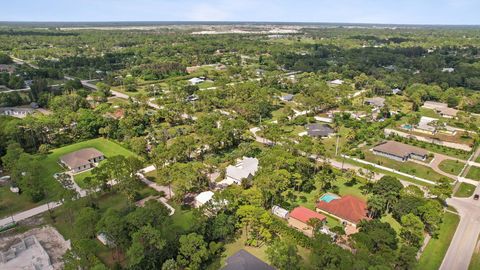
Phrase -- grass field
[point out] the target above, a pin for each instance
(451, 166)
(11, 203)
(474, 173)
(436, 249)
(465, 190)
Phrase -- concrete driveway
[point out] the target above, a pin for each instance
(463, 243)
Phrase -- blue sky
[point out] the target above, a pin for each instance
(353, 11)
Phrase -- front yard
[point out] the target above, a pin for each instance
(451, 166)
(408, 167)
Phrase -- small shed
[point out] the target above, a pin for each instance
(280, 212)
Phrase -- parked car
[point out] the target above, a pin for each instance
(476, 196)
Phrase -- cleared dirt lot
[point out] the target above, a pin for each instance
(50, 239)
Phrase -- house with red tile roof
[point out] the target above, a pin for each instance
(299, 217)
(350, 210)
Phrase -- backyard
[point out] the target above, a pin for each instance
(436, 249)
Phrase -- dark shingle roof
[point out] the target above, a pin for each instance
(242, 260)
(319, 130)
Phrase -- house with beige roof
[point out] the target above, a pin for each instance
(400, 151)
(82, 159)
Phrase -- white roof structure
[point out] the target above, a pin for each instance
(203, 197)
(244, 168)
(336, 82)
(195, 81)
(424, 123)
(280, 212)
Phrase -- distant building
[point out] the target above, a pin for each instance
(195, 81)
(377, 102)
(280, 212)
(396, 91)
(349, 210)
(18, 112)
(441, 108)
(10, 69)
(400, 151)
(299, 218)
(287, 97)
(82, 160)
(336, 82)
(319, 130)
(242, 260)
(244, 169)
(448, 70)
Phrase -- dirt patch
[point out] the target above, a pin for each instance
(50, 239)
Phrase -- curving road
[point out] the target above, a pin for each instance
(463, 244)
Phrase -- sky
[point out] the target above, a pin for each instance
(458, 12)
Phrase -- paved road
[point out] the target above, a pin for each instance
(463, 243)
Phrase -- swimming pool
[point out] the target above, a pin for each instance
(407, 126)
(328, 197)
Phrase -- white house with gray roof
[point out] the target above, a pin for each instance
(244, 169)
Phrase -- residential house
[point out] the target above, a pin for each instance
(427, 125)
(400, 151)
(299, 218)
(350, 210)
(319, 130)
(203, 198)
(18, 112)
(280, 212)
(242, 260)
(377, 102)
(441, 108)
(82, 159)
(244, 169)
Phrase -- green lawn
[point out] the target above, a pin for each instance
(474, 173)
(405, 167)
(465, 190)
(475, 262)
(451, 166)
(11, 203)
(183, 218)
(436, 249)
(393, 222)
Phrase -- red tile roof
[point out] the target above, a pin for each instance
(348, 208)
(304, 214)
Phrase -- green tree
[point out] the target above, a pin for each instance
(85, 223)
(283, 255)
(193, 251)
(412, 230)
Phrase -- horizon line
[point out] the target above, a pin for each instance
(233, 21)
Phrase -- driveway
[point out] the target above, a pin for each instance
(464, 241)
